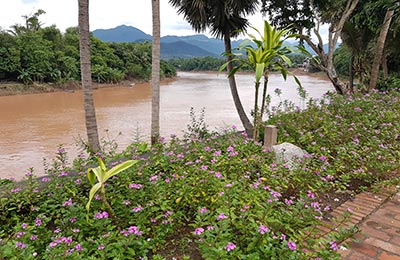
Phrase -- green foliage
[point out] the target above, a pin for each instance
(389, 84)
(34, 54)
(102, 175)
(266, 53)
(197, 126)
(197, 64)
(342, 58)
(357, 136)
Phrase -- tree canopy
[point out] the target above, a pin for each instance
(32, 53)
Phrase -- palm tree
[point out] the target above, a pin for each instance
(263, 54)
(225, 18)
(86, 76)
(155, 72)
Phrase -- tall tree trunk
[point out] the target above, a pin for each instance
(86, 77)
(385, 66)
(232, 85)
(155, 73)
(351, 73)
(335, 29)
(380, 44)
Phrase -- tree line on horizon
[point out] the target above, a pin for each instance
(32, 53)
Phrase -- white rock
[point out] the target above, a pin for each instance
(289, 153)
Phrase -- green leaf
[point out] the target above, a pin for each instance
(92, 192)
(91, 176)
(297, 80)
(119, 168)
(102, 165)
(259, 71)
(223, 66)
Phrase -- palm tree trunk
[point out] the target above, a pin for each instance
(379, 49)
(385, 66)
(232, 84)
(86, 77)
(351, 73)
(155, 73)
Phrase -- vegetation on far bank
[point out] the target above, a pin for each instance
(209, 195)
(31, 53)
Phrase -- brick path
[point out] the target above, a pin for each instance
(378, 218)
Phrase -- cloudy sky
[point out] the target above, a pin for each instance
(104, 14)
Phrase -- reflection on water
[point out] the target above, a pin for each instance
(32, 126)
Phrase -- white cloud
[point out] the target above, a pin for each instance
(104, 14)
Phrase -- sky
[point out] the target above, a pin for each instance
(103, 14)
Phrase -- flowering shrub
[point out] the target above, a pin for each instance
(223, 195)
(357, 136)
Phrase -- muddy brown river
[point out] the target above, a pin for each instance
(32, 126)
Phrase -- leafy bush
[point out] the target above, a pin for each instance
(389, 84)
(358, 135)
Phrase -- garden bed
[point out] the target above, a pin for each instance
(211, 196)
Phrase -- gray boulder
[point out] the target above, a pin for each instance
(290, 154)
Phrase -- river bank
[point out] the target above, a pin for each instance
(17, 88)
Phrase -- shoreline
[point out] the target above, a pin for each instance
(16, 88)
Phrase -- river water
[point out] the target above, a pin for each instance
(33, 125)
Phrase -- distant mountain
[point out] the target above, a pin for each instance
(181, 49)
(171, 46)
(122, 33)
(177, 46)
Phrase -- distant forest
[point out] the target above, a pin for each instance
(31, 53)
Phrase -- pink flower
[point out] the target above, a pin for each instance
(218, 175)
(263, 229)
(67, 203)
(137, 209)
(221, 216)
(38, 222)
(20, 245)
(203, 210)
(333, 246)
(135, 186)
(100, 215)
(291, 245)
(78, 247)
(230, 246)
(198, 231)
(134, 230)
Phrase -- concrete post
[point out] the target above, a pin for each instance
(270, 136)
